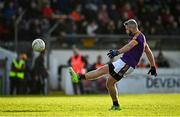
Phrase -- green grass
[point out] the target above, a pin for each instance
(91, 105)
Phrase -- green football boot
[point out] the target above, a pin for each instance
(74, 75)
(115, 108)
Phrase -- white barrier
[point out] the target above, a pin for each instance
(66, 82)
(10, 56)
(167, 81)
(60, 57)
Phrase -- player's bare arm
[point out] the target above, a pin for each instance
(150, 57)
(126, 48)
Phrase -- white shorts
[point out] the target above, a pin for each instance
(119, 68)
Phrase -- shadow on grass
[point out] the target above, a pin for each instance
(25, 111)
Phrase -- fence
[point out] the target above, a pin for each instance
(113, 41)
(98, 42)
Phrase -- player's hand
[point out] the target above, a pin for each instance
(152, 71)
(113, 53)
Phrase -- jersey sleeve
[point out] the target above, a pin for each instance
(139, 39)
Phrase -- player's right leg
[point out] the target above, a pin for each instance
(112, 89)
(89, 75)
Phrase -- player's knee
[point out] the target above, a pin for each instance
(109, 84)
(103, 70)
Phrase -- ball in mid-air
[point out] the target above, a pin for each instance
(38, 45)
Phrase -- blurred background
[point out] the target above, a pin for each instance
(80, 32)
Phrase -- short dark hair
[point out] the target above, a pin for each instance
(131, 22)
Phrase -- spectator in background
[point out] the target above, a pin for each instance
(113, 13)
(88, 65)
(91, 8)
(16, 75)
(65, 6)
(67, 27)
(111, 28)
(77, 19)
(45, 25)
(101, 82)
(3, 31)
(159, 26)
(1, 8)
(54, 6)
(36, 29)
(152, 14)
(92, 27)
(166, 15)
(89, 86)
(33, 11)
(162, 61)
(9, 13)
(159, 17)
(98, 63)
(127, 12)
(152, 30)
(47, 11)
(28, 75)
(103, 15)
(39, 74)
(174, 29)
(142, 63)
(76, 14)
(78, 63)
(103, 19)
(24, 81)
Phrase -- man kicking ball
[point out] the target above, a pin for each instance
(132, 53)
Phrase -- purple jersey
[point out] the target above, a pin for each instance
(133, 56)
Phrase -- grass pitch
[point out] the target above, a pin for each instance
(91, 105)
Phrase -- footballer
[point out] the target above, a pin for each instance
(132, 53)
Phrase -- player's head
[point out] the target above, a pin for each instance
(20, 56)
(131, 26)
(99, 59)
(42, 53)
(24, 56)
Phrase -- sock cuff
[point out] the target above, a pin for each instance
(115, 103)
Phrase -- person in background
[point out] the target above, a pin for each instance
(142, 63)
(16, 75)
(78, 63)
(88, 86)
(101, 82)
(47, 11)
(39, 73)
(161, 60)
(28, 74)
(98, 63)
(24, 81)
(92, 28)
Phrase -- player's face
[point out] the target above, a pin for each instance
(127, 30)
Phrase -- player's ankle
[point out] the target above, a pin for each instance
(115, 103)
